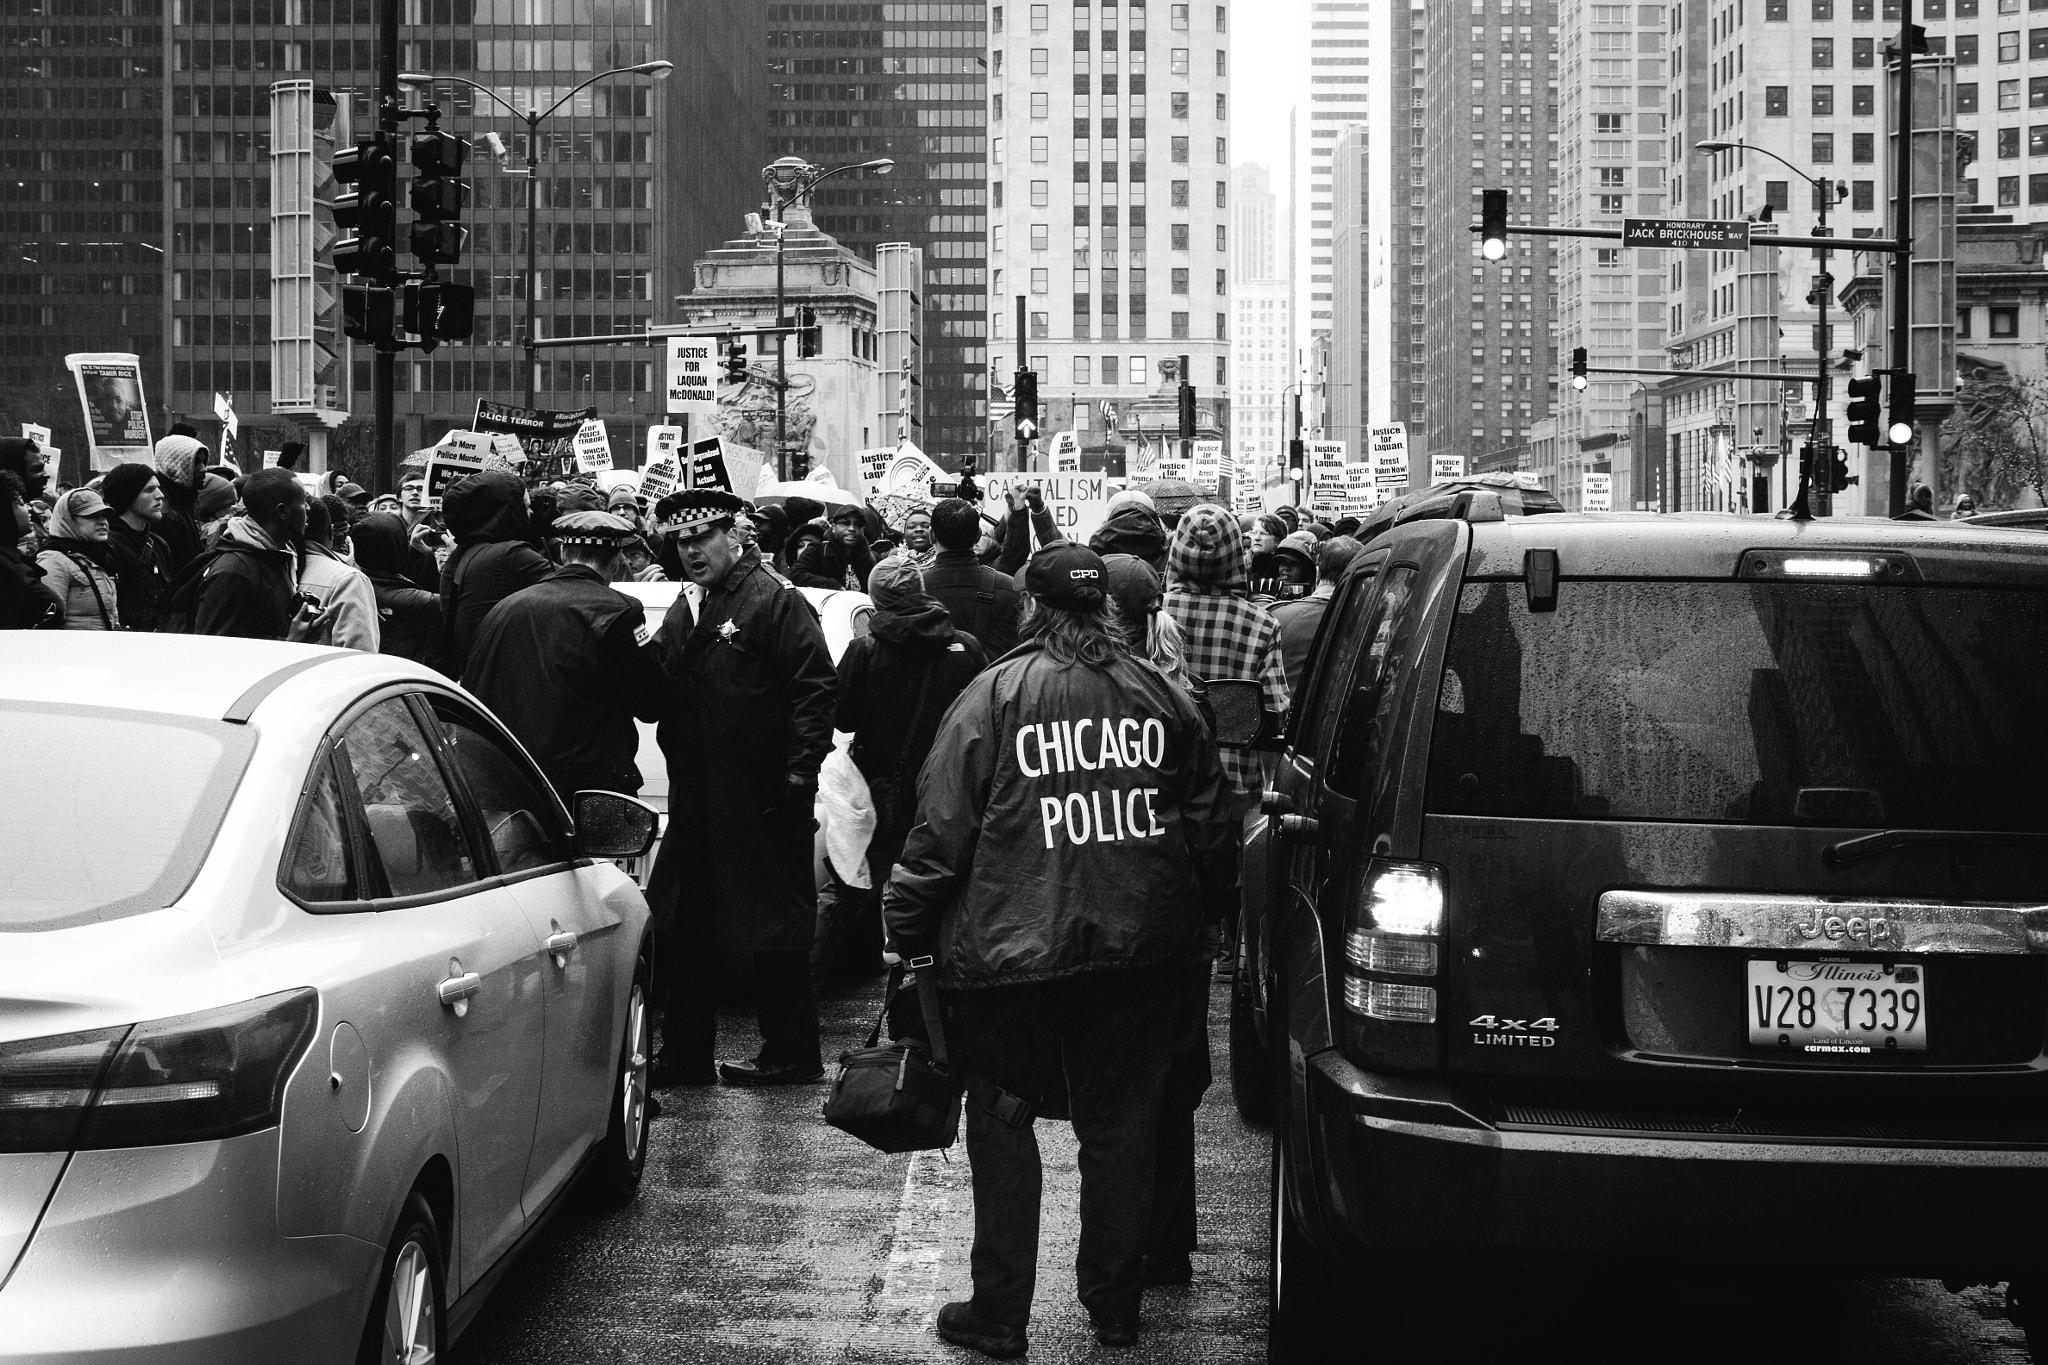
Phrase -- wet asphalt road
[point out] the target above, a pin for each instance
(762, 1235)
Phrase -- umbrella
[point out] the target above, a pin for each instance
(829, 494)
(1174, 496)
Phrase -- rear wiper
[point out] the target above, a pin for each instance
(1884, 841)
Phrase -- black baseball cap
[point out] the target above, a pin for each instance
(1067, 576)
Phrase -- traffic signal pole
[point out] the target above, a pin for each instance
(384, 365)
(1023, 364)
(1902, 232)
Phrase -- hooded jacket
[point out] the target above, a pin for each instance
(1071, 819)
(829, 564)
(494, 557)
(75, 567)
(408, 616)
(1132, 531)
(1223, 633)
(982, 602)
(26, 602)
(895, 684)
(345, 595)
(181, 476)
(140, 561)
(250, 588)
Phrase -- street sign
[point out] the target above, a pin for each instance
(1686, 233)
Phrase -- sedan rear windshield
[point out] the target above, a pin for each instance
(106, 813)
(1753, 703)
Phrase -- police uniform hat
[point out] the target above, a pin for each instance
(591, 528)
(694, 511)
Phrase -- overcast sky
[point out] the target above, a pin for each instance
(1269, 51)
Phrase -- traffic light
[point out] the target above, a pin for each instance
(1863, 410)
(366, 312)
(1296, 459)
(1187, 411)
(367, 212)
(437, 312)
(810, 335)
(1493, 224)
(438, 192)
(799, 463)
(735, 359)
(1904, 393)
(1025, 414)
(1578, 367)
(1838, 469)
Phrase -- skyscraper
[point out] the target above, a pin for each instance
(1262, 339)
(1121, 248)
(1256, 251)
(1339, 69)
(851, 82)
(81, 207)
(1349, 253)
(1490, 97)
(1396, 210)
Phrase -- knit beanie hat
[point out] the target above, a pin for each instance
(177, 458)
(214, 500)
(123, 484)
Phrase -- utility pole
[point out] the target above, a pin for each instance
(384, 366)
(1902, 232)
(1023, 367)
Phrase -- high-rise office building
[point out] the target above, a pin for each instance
(1349, 258)
(1110, 201)
(610, 229)
(852, 82)
(1339, 66)
(81, 205)
(1613, 159)
(1256, 251)
(1491, 95)
(1396, 297)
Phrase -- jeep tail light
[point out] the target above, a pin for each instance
(191, 1078)
(1390, 1000)
(1397, 917)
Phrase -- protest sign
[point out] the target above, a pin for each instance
(271, 457)
(1596, 491)
(593, 447)
(1141, 463)
(1173, 464)
(873, 464)
(663, 471)
(1208, 465)
(540, 433)
(40, 435)
(465, 444)
(1078, 502)
(1327, 482)
(1066, 453)
(116, 417)
(448, 463)
(1444, 468)
(911, 473)
(506, 447)
(693, 373)
(707, 465)
(1390, 459)
(1358, 490)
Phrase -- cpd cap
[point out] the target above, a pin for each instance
(591, 528)
(694, 511)
(1068, 577)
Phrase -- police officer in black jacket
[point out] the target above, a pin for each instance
(568, 663)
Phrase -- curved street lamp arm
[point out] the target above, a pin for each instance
(577, 90)
(1808, 177)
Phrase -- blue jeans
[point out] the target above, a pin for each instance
(1103, 1041)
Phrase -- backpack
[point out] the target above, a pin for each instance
(177, 610)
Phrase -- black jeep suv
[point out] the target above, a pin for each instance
(1657, 886)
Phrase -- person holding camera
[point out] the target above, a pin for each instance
(248, 584)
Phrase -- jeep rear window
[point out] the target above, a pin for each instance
(1752, 703)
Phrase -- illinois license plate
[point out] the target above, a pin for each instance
(1850, 1007)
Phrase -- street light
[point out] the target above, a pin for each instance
(659, 71)
(791, 180)
(1823, 285)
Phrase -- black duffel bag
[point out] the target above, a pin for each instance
(902, 1096)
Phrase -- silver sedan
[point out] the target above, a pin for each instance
(314, 1002)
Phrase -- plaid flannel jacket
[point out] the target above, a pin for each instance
(1225, 636)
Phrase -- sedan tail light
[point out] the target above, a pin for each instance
(190, 1078)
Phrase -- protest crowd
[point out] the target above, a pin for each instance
(1011, 689)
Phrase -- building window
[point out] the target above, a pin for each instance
(1041, 149)
(1178, 233)
(1778, 194)
(1823, 51)
(1179, 193)
(1823, 148)
(1824, 11)
(1966, 97)
(1963, 323)
(1177, 61)
(2037, 140)
(1823, 100)
(1041, 193)
(1041, 18)
(1041, 329)
(1863, 196)
(1863, 148)
(1776, 97)
(1041, 236)
(2009, 45)
(1965, 9)
(2008, 94)
(1180, 326)
(2008, 144)
(2005, 322)
(1041, 280)
(1966, 49)
(1137, 370)
(1178, 16)
(2008, 191)
(1862, 99)
(1041, 61)
(2037, 44)
(1222, 282)
(1179, 151)
(1041, 105)
(2037, 189)
(1774, 11)
(1608, 204)
(1178, 104)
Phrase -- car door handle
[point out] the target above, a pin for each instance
(1299, 827)
(562, 942)
(456, 989)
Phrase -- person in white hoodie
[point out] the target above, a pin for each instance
(346, 595)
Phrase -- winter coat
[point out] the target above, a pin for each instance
(26, 602)
(141, 562)
(1070, 819)
(895, 684)
(75, 570)
(493, 557)
(1133, 531)
(346, 595)
(408, 617)
(1223, 633)
(250, 588)
(567, 665)
(750, 703)
(826, 564)
(1298, 622)
(981, 601)
(1017, 537)
(179, 526)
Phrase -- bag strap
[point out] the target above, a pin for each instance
(928, 1001)
(888, 999)
(85, 567)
